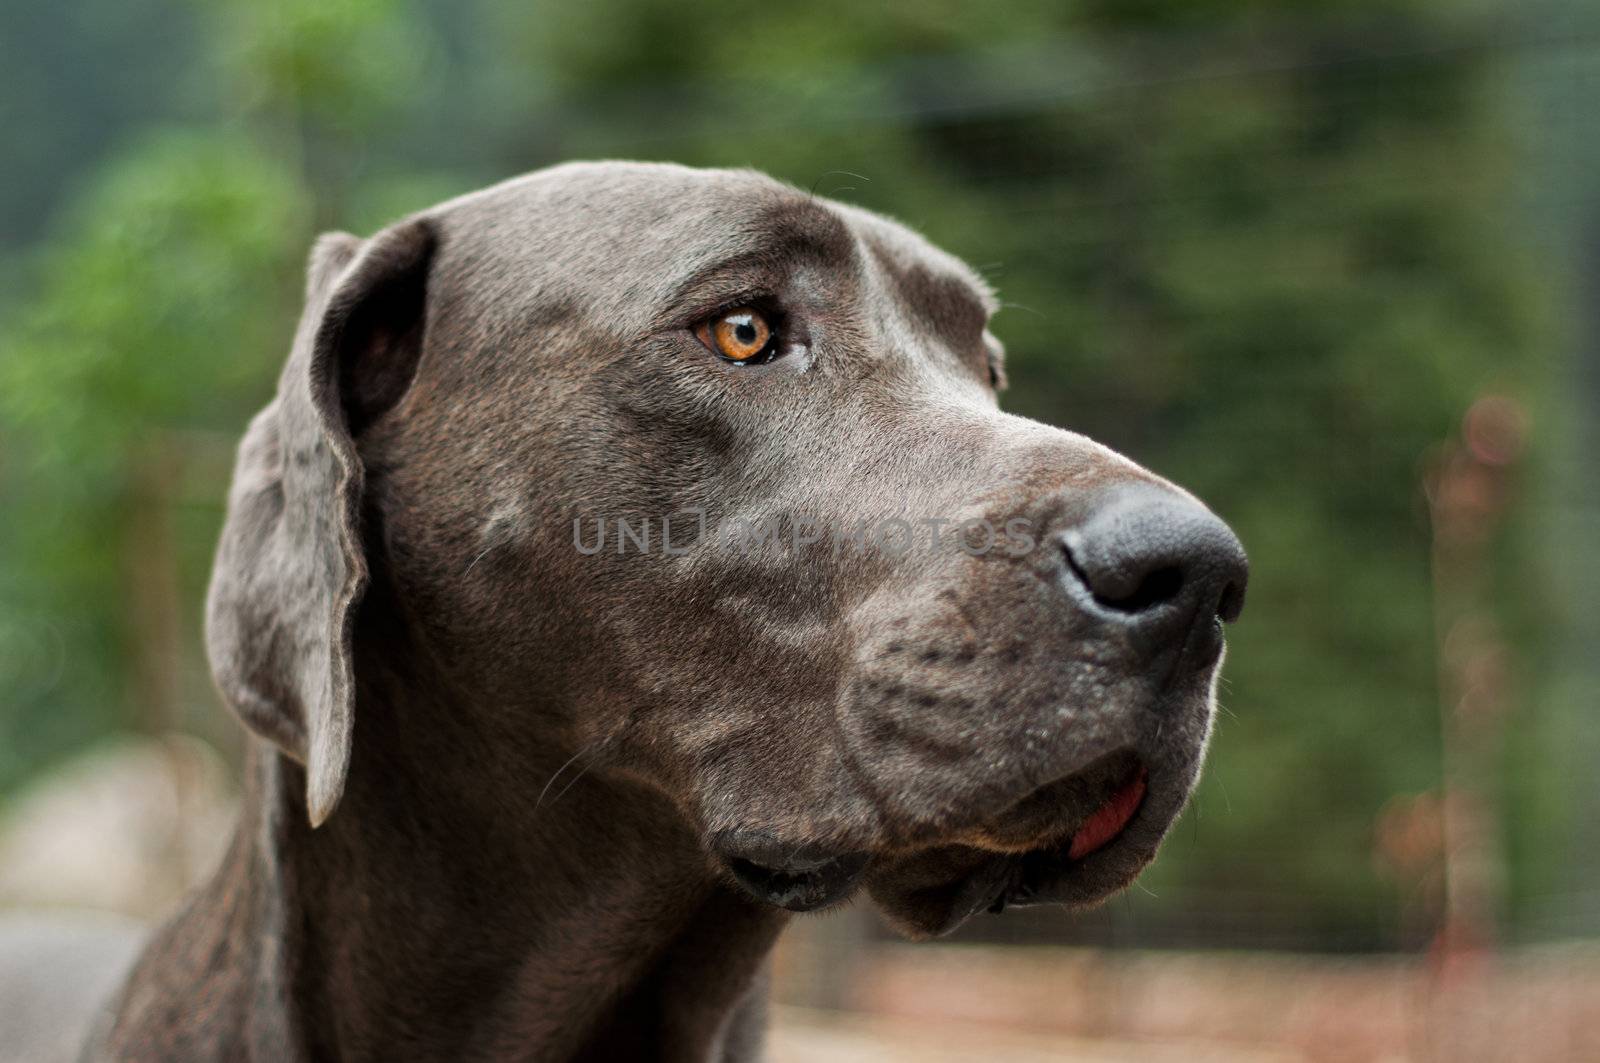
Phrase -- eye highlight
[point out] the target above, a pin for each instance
(742, 335)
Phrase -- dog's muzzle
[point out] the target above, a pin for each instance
(1145, 573)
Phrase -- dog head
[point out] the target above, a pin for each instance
(704, 479)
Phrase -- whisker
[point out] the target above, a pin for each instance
(480, 557)
(574, 781)
(830, 173)
(569, 762)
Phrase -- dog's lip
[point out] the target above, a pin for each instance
(932, 890)
(1063, 858)
(1074, 872)
(1107, 821)
(807, 877)
(800, 890)
(1081, 811)
(798, 878)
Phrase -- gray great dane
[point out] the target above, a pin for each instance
(633, 555)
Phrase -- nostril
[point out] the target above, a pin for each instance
(1159, 586)
(1128, 588)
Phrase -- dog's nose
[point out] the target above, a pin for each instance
(1157, 561)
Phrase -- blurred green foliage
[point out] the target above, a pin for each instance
(150, 316)
(1269, 250)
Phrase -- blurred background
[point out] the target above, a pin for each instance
(1332, 264)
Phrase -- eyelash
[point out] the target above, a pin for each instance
(997, 376)
(761, 299)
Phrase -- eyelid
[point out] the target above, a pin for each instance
(995, 354)
(760, 297)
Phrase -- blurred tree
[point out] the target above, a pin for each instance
(146, 336)
(156, 319)
(76, 76)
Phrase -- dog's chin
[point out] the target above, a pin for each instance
(932, 891)
(1073, 842)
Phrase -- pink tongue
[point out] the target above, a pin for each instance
(1109, 819)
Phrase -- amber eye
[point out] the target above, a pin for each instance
(739, 335)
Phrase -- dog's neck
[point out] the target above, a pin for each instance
(429, 918)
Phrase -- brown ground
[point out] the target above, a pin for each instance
(977, 1003)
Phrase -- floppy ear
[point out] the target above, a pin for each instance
(290, 568)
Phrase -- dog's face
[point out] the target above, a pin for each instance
(705, 479)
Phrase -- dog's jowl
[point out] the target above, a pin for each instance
(630, 556)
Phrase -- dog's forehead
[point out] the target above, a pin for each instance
(636, 234)
(934, 287)
(913, 261)
(654, 220)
